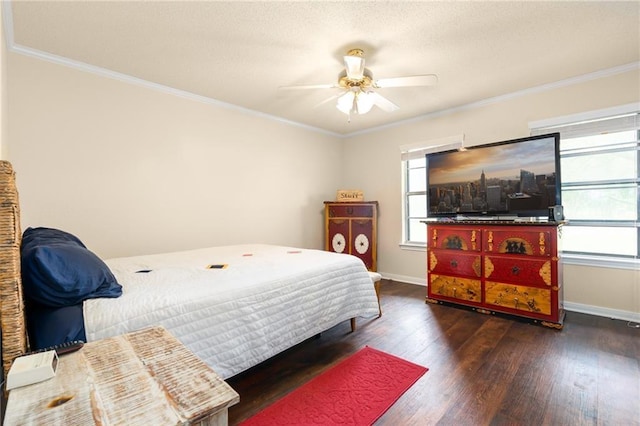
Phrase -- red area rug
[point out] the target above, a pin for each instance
(357, 391)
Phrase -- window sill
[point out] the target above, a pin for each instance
(600, 261)
(413, 246)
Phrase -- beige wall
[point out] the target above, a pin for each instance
(3, 90)
(378, 153)
(132, 170)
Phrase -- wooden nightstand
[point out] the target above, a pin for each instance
(142, 378)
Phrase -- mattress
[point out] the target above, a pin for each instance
(263, 300)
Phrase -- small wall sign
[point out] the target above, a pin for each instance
(349, 195)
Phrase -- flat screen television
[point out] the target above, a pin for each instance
(501, 180)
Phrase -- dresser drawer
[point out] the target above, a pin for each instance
(351, 210)
(451, 262)
(526, 270)
(519, 298)
(517, 241)
(465, 289)
(454, 238)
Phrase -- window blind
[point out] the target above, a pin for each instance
(593, 127)
(420, 149)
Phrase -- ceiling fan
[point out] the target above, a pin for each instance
(358, 86)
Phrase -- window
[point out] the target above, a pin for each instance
(600, 175)
(415, 201)
(414, 186)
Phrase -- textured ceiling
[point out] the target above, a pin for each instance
(240, 52)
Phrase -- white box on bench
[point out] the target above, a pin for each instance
(33, 368)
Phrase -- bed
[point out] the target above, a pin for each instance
(233, 306)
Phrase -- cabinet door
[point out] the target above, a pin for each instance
(338, 237)
(363, 241)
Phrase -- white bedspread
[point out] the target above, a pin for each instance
(266, 300)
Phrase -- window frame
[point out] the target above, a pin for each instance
(575, 258)
(407, 218)
(415, 151)
(602, 259)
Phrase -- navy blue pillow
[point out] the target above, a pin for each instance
(52, 326)
(48, 236)
(58, 270)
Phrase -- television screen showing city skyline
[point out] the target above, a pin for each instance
(511, 177)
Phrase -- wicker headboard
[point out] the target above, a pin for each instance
(12, 319)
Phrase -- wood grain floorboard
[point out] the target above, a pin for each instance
(483, 369)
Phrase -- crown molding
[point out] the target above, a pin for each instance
(7, 16)
(16, 48)
(513, 95)
(103, 72)
(7, 23)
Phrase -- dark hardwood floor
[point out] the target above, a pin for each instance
(483, 369)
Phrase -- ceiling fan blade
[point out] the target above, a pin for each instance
(329, 99)
(382, 102)
(413, 80)
(309, 86)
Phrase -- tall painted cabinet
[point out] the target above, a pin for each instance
(351, 228)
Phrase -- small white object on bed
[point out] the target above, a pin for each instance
(266, 300)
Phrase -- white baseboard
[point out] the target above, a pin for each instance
(602, 312)
(404, 279)
(568, 306)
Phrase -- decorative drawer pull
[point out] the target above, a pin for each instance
(516, 302)
(350, 210)
(454, 292)
(454, 263)
(515, 270)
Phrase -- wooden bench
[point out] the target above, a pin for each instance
(376, 278)
(146, 377)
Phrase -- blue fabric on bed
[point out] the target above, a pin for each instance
(58, 270)
(51, 326)
(47, 236)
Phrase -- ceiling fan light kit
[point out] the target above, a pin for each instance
(357, 99)
(355, 102)
(354, 64)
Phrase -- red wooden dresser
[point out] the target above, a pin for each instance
(503, 267)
